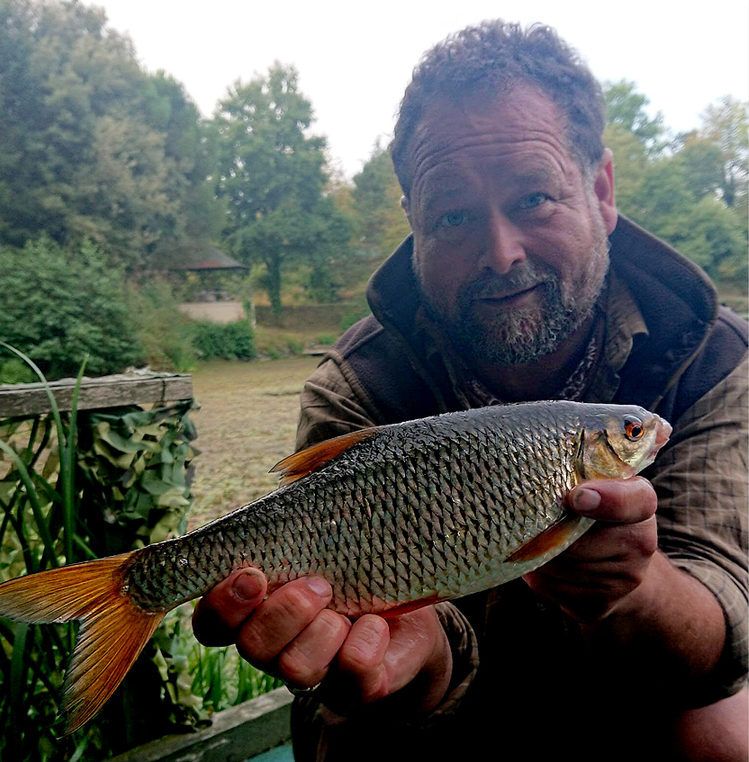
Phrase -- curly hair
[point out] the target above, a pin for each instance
(490, 58)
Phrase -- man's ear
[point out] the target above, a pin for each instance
(407, 209)
(603, 187)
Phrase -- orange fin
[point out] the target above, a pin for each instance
(113, 629)
(313, 458)
(404, 608)
(553, 537)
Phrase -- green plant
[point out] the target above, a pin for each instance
(326, 339)
(73, 487)
(14, 371)
(38, 530)
(69, 305)
(205, 679)
(227, 341)
(164, 333)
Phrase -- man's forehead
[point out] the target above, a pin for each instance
(450, 181)
(451, 132)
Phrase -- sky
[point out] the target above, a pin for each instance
(355, 58)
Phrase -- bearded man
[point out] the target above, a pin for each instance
(521, 282)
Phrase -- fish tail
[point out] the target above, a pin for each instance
(113, 628)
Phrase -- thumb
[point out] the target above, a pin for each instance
(220, 612)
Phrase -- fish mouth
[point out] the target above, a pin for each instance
(663, 431)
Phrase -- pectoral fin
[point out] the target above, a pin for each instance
(556, 536)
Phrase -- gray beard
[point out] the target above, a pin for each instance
(514, 337)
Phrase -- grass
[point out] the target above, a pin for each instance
(246, 424)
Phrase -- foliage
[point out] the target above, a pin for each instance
(272, 176)
(73, 487)
(381, 221)
(61, 305)
(164, 334)
(207, 679)
(626, 109)
(93, 147)
(690, 191)
(227, 341)
(726, 125)
(13, 371)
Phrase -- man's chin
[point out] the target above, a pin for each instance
(525, 339)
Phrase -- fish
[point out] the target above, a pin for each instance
(395, 517)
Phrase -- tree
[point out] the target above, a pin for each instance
(726, 125)
(272, 175)
(701, 161)
(381, 223)
(686, 191)
(93, 147)
(625, 108)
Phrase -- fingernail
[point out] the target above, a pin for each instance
(319, 586)
(585, 500)
(248, 585)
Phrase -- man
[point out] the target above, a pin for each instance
(521, 282)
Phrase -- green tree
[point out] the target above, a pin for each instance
(701, 161)
(685, 192)
(381, 223)
(272, 176)
(626, 109)
(93, 147)
(726, 125)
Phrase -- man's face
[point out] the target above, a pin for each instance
(510, 237)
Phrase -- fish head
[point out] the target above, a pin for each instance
(621, 442)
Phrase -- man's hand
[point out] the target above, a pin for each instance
(292, 635)
(610, 561)
(628, 596)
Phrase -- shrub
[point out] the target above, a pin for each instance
(227, 341)
(61, 305)
(14, 371)
(164, 333)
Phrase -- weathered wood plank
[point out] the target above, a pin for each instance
(235, 734)
(107, 391)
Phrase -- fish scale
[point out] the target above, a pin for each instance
(393, 517)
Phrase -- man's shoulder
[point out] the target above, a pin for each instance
(386, 367)
(361, 333)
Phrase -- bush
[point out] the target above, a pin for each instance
(164, 333)
(227, 341)
(61, 305)
(14, 371)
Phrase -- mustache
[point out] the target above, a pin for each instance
(490, 284)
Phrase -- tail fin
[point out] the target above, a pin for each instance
(113, 629)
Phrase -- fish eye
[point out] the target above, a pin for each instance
(633, 428)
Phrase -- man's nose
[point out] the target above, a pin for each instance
(503, 245)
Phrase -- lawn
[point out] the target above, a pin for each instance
(246, 424)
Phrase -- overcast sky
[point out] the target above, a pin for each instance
(355, 58)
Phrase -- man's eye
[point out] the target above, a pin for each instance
(452, 220)
(532, 200)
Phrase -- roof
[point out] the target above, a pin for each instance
(201, 257)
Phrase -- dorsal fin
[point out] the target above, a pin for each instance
(313, 458)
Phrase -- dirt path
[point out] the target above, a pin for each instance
(246, 424)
